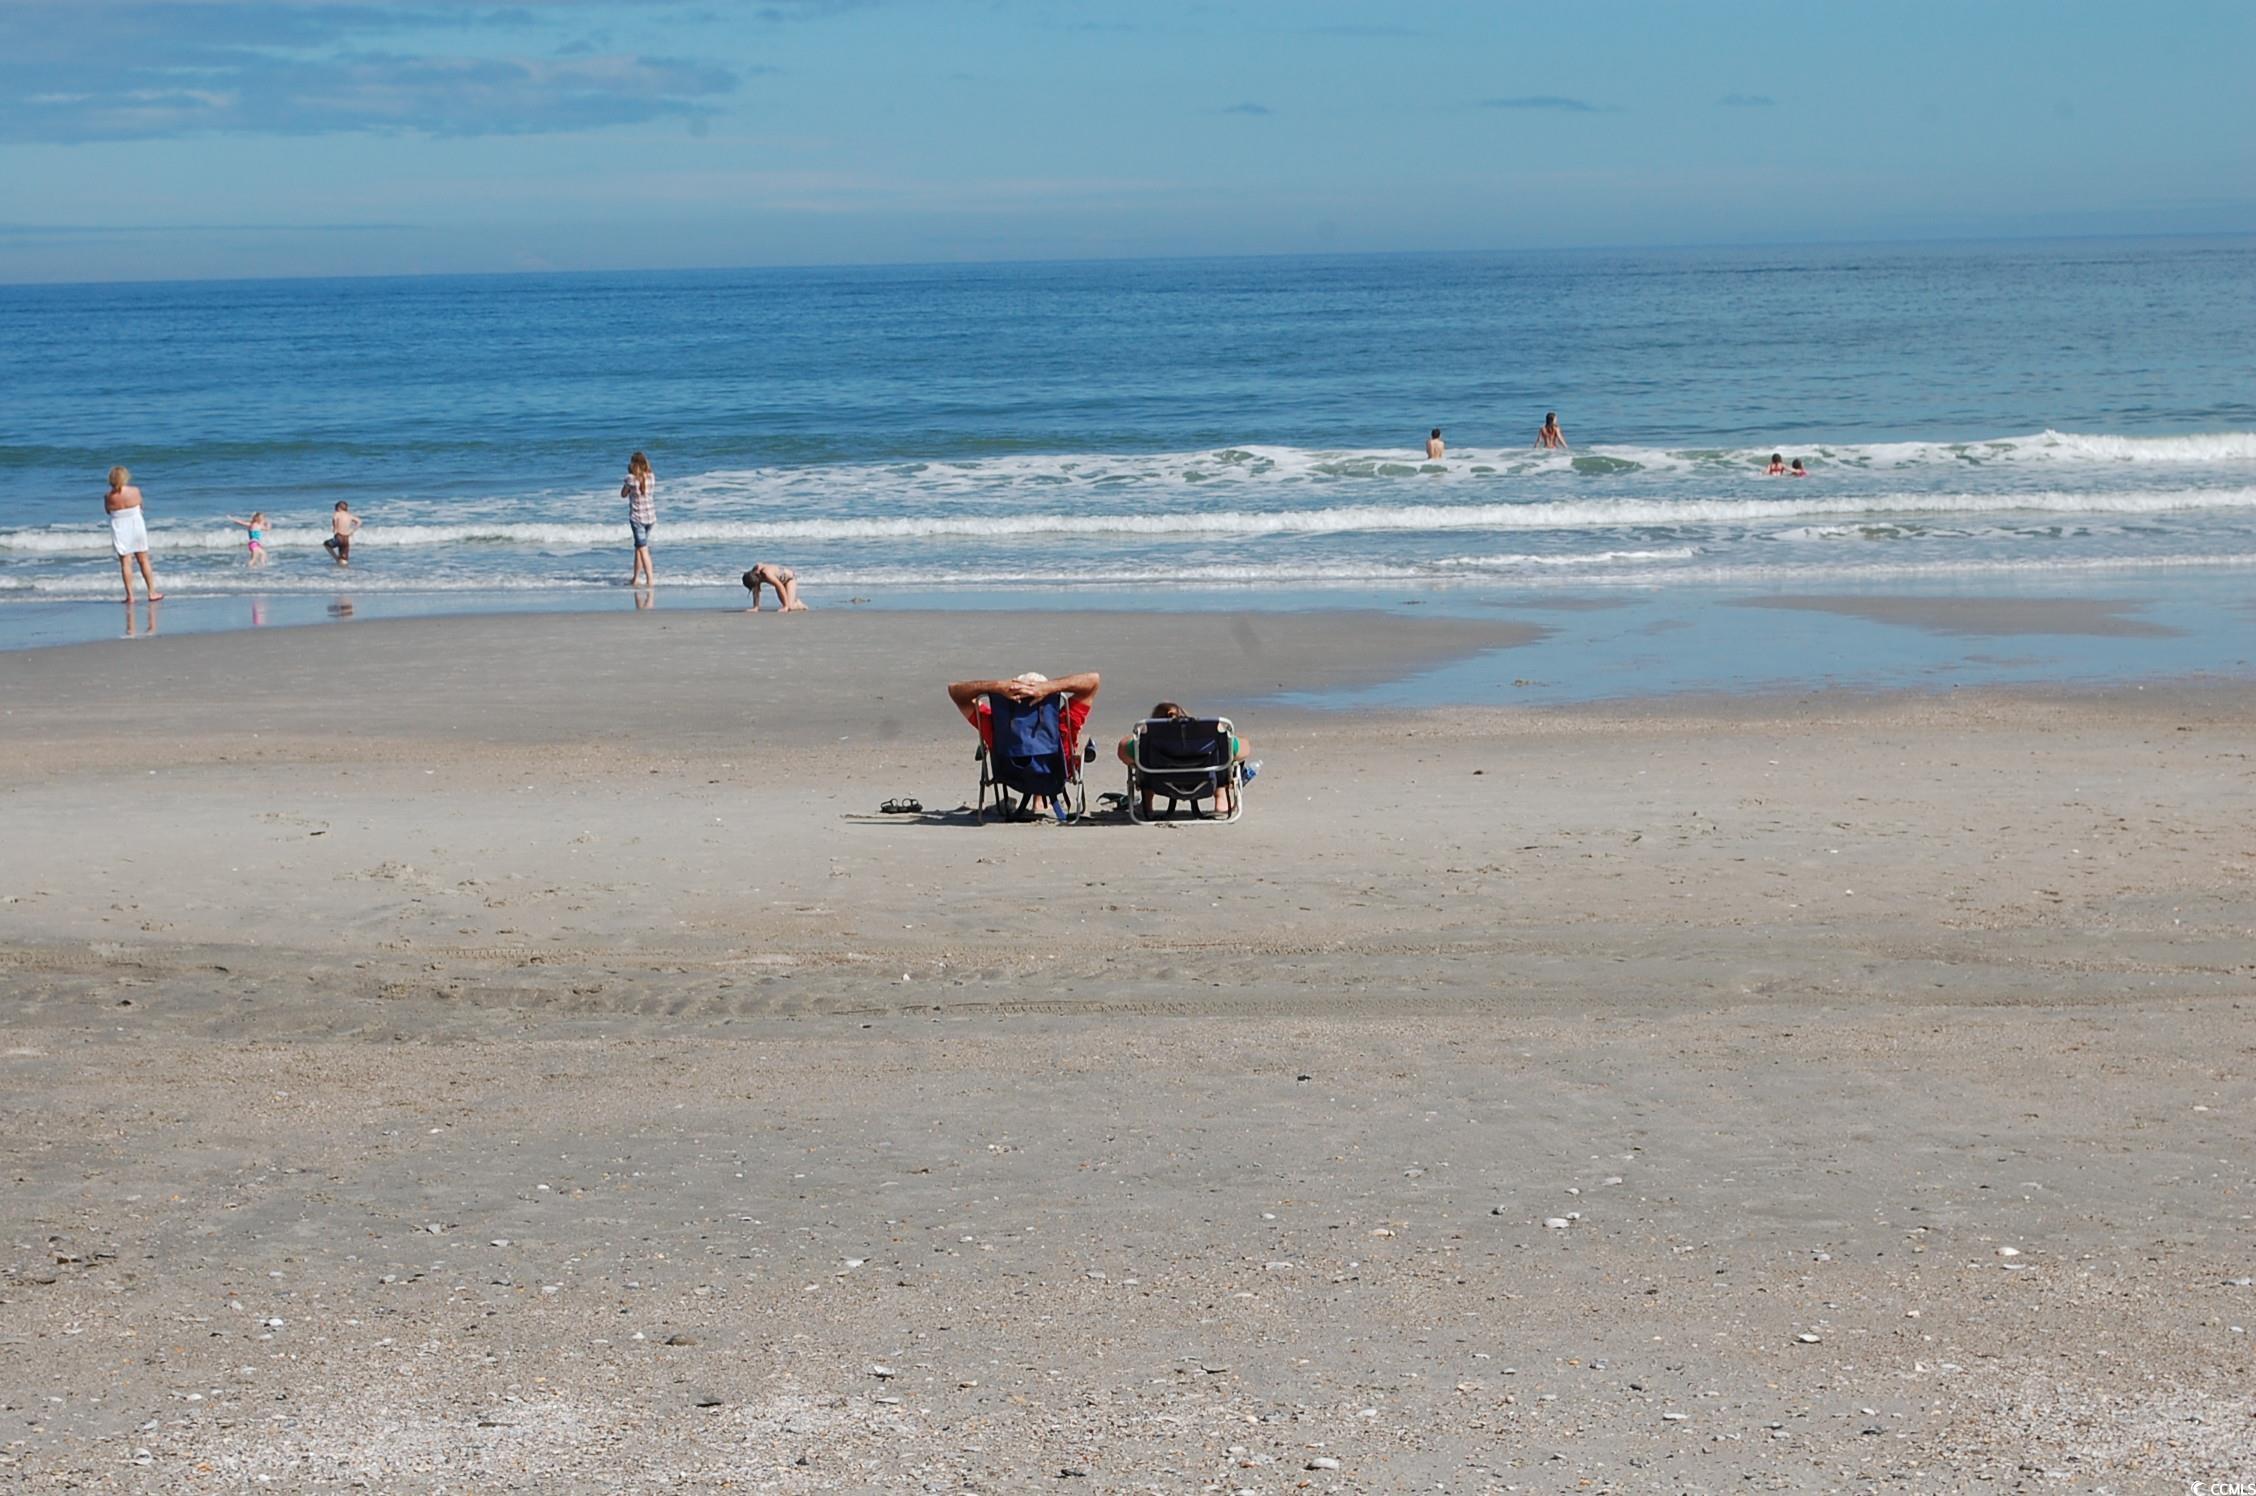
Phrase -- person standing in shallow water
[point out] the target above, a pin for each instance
(640, 491)
(1435, 446)
(343, 526)
(1551, 436)
(129, 533)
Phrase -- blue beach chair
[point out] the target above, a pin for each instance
(1030, 760)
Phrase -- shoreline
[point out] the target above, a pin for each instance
(1555, 646)
(577, 674)
(712, 679)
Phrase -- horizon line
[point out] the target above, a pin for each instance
(965, 264)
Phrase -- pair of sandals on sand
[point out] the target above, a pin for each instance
(903, 805)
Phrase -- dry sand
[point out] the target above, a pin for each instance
(508, 1055)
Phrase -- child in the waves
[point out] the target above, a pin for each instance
(256, 524)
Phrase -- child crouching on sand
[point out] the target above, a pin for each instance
(783, 579)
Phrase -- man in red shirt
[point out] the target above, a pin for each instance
(1080, 691)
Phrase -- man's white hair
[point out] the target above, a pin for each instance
(1031, 678)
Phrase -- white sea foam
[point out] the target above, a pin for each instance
(1072, 479)
(2020, 567)
(1562, 515)
(2223, 446)
(1253, 466)
(2049, 504)
(237, 580)
(1619, 569)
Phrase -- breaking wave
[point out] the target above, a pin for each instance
(1564, 515)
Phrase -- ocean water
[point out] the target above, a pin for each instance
(1971, 415)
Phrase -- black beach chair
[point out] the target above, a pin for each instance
(1185, 760)
(1030, 760)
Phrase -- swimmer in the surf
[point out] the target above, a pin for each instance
(1551, 436)
(1777, 467)
(1435, 446)
(1798, 471)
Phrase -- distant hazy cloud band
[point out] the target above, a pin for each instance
(1556, 102)
(91, 70)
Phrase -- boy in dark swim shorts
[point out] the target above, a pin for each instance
(343, 525)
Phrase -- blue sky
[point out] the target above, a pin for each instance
(191, 138)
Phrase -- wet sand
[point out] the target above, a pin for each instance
(1984, 616)
(512, 1054)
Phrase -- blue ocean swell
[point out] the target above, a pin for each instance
(480, 423)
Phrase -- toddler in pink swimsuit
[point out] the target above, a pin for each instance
(256, 524)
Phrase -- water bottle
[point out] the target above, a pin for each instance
(1252, 768)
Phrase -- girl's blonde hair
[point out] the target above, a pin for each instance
(639, 465)
(119, 477)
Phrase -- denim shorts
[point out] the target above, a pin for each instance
(641, 533)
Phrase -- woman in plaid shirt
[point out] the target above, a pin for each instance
(642, 513)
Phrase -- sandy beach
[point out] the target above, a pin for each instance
(512, 1054)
